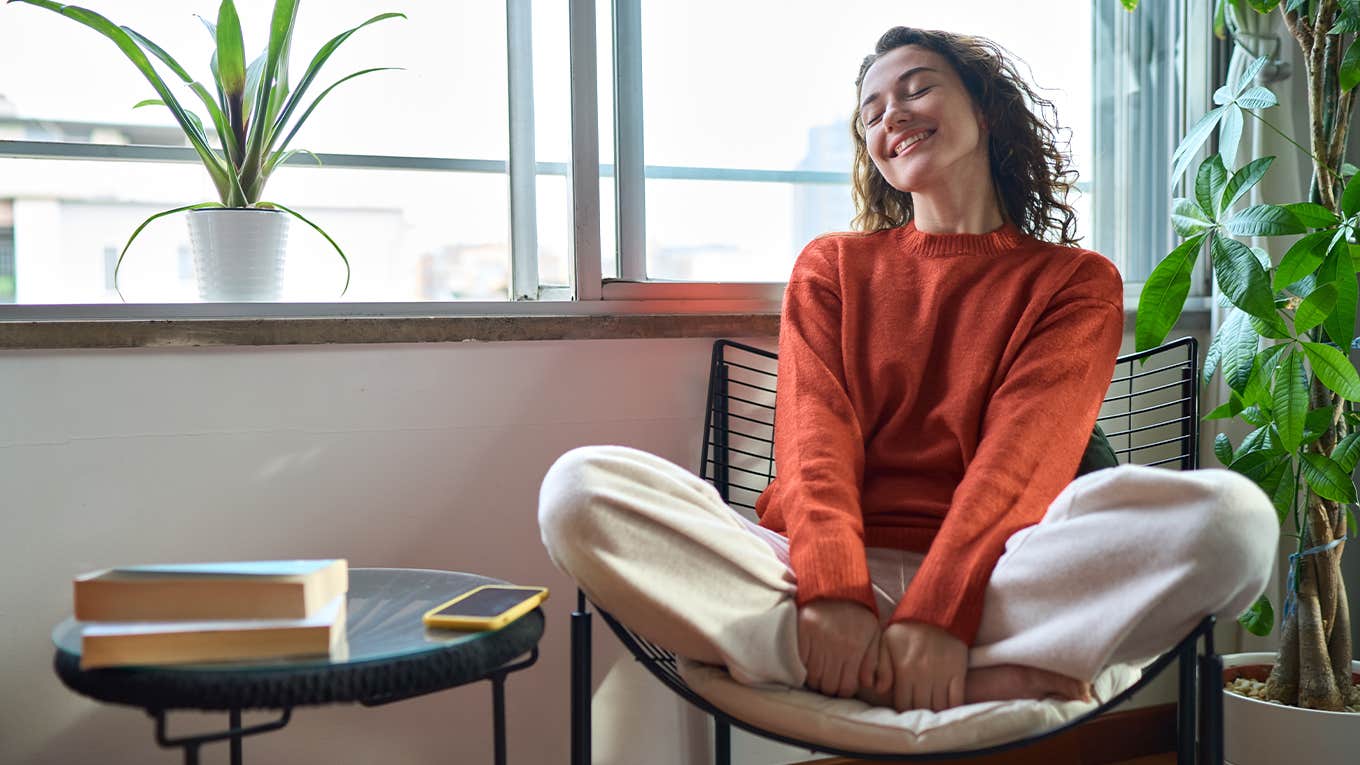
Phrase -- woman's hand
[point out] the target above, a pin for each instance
(838, 641)
(928, 665)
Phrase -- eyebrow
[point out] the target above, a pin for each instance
(903, 77)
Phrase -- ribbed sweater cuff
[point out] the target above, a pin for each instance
(832, 567)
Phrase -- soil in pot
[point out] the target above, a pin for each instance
(1250, 680)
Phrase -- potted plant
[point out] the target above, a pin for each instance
(254, 112)
(1283, 353)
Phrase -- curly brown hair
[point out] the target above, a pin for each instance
(1030, 169)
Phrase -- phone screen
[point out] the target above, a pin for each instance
(488, 602)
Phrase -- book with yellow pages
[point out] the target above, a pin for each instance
(125, 644)
(277, 589)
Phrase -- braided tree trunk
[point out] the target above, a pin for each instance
(1313, 667)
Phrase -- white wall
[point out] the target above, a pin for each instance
(398, 455)
(389, 455)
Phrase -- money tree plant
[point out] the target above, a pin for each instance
(1282, 349)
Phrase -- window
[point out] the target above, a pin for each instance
(458, 178)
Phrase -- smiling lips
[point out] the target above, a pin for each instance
(911, 140)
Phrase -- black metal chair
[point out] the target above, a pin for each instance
(1150, 417)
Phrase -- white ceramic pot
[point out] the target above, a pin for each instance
(1257, 733)
(238, 253)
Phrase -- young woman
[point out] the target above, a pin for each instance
(940, 372)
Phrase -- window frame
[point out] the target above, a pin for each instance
(588, 293)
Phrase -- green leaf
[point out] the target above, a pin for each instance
(260, 135)
(1313, 215)
(1243, 181)
(1223, 448)
(1230, 134)
(1351, 525)
(1327, 479)
(1334, 370)
(1316, 424)
(283, 146)
(1209, 183)
(1303, 257)
(231, 54)
(134, 53)
(1350, 198)
(313, 69)
(1347, 453)
(1258, 97)
(1263, 6)
(1254, 416)
(1263, 220)
(1129, 5)
(1260, 618)
(1243, 281)
(1230, 408)
(1259, 441)
(1289, 390)
(318, 230)
(198, 122)
(1249, 73)
(1191, 143)
(1258, 464)
(1164, 294)
(1350, 67)
(1339, 270)
(1281, 487)
(1257, 392)
(1240, 342)
(137, 232)
(1188, 218)
(1315, 308)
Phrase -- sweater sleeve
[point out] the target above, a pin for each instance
(1032, 435)
(818, 444)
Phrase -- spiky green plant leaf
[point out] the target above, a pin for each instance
(1242, 182)
(1347, 453)
(1338, 269)
(1303, 258)
(1209, 182)
(1263, 220)
(1243, 281)
(1193, 140)
(1223, 448)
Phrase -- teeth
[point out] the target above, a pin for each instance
(908, 141)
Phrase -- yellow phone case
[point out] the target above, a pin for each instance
(479, 623)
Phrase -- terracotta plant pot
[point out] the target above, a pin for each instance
(1259, 733)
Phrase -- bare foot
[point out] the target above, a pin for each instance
(1013, 681)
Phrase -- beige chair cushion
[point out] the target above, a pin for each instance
(852, 725)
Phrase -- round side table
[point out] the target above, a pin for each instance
(391, 656)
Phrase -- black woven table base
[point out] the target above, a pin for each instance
(372, 682)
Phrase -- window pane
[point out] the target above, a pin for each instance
(774, 91)
(410, 235)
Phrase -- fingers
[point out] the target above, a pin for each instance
(956, 689)
(868, 665)
(815, 664)
(921, 695)
(849, 680)
(883, 675)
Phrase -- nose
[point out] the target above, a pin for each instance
(895, 113)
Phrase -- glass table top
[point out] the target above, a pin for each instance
(384, 608)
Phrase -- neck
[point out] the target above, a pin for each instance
(974, 215)
(957, 209)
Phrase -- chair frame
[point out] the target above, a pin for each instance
(1199, 667)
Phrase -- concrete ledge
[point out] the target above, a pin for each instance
(347, 330)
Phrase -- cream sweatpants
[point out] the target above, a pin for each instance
(1125, 562)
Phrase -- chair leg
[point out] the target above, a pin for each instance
(722, 742)
(580, 681)
(1186, 704)
(1211, 702)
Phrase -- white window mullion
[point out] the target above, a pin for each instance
(629, 169)
(523, 166)
(585, 152)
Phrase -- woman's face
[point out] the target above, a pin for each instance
(921, 126)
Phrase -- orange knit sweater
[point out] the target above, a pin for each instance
(935, 394)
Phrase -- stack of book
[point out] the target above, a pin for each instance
(207, 612)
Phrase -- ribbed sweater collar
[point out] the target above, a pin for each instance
(1003, 239)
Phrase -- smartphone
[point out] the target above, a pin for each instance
(488, 607)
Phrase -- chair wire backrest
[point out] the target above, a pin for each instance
(1149, 415)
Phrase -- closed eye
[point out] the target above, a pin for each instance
(873, 120)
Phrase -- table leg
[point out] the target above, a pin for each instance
(235, 718)
(498, 713)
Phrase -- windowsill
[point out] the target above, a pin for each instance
(265, 331)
